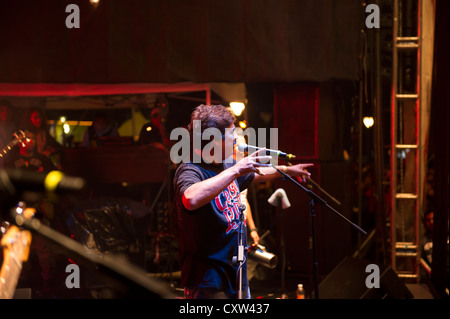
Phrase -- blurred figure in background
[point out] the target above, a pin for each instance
(101, 127)
(6, 129)
(153, 132)
(35, 121)
(41, 260)
(27, 156)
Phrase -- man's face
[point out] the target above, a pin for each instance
(228, 142)
(220, 147)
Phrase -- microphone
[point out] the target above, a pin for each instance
(54, 181)
(243, 147)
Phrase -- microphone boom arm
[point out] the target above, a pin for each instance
(319, 200)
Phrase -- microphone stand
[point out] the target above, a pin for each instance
(239, 259)
(314, 198)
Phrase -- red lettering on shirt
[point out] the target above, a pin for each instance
(230, 207)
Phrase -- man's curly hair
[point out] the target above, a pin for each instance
(217, 116)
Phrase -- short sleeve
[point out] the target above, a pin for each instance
(185, 176)
(245, 181)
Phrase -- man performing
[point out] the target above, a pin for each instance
(208, 203)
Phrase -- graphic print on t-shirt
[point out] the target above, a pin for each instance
(228, 203)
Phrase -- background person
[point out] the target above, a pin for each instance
(35, 121)
(101, 127)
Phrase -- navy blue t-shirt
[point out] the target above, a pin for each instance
(208, 236)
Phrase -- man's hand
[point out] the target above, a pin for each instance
(300, 171)
(250, 164)
(201, 193)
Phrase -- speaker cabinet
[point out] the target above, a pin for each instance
(348, 281)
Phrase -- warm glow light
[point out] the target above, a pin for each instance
(148, 129)
(94, 3)
(368, 121)
(237, 107)
(74, 123)
(242, 124)
(66, 128)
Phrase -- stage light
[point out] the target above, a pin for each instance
(242, 124)
(66, 128)
(368, 121)
(237, 107)
(94, 2)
